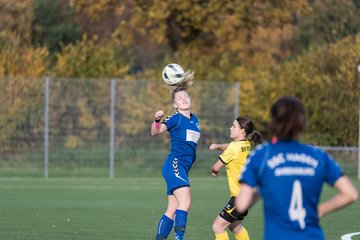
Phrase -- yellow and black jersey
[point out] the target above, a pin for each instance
(234, 157)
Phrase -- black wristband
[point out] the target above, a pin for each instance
(157, 120)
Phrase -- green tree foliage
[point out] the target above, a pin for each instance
(15, 20)
(96, 9)
(19, 96)
(326, 80)
(250, 42)
(21, 100)
(52, 24)
(23, 62)
(17, 57)
(75, 105)
(77, 112)
(20, 90)
(327, 22)
(88, 58)
(213, 34)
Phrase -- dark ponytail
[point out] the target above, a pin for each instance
(256, 138)
(248, 126)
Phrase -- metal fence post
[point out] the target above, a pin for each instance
(237, 93)
(358, 68)
(112, 127)
(46, 130)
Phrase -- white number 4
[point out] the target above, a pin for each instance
(296, 210)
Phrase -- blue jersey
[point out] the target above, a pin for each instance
(290, 176)
(184, 135)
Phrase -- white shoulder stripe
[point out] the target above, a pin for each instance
(168, 117)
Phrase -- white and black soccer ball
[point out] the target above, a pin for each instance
(173, 74)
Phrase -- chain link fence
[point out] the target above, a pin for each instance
(56, 127)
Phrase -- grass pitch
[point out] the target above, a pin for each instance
(126, 209)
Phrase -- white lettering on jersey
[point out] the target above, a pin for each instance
(276, 160)
(279, 159)
(302, 158)
(291, 171)
(192, 136)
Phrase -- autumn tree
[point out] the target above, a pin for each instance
(326, 80)
(53, 24)
(222, 35)
(85, 97)
(15, 21)
(327, 22)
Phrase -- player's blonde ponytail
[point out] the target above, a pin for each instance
(184, 85)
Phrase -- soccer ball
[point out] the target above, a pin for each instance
(173, 74)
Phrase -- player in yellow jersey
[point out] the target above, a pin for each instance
(234, 157)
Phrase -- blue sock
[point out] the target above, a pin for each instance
(180, 224)
(164, 227)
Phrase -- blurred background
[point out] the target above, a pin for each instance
(80, 80)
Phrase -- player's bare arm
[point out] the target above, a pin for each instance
(157, 127)
(217, 146)
(246, 197)
(347, 194)
(214, 170)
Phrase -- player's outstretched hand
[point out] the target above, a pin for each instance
(213, 172)
(159, 114)
(213, 147)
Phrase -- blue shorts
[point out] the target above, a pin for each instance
(175, 174)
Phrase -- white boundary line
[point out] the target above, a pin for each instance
(349, 235)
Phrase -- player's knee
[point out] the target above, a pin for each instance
(235, 228)
(170, 213)
(217, 228)
(188, 204)
(185, 205)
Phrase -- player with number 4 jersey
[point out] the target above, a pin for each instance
(289, 176)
